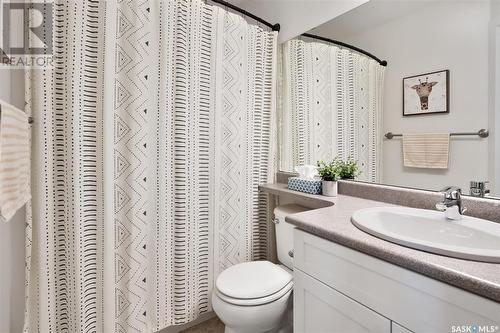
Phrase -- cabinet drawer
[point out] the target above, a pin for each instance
(417, 302)
(321, 309)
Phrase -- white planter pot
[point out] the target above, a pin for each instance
(329, 188)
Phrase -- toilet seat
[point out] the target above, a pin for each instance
(256, 301)
(253, 283)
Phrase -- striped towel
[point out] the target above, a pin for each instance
(430, 150)
(14, 160)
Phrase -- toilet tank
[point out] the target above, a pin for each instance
(284, 232)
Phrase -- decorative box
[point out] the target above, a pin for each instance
(304, 185)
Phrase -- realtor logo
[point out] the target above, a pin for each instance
(26, 33)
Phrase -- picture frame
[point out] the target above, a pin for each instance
(427, 93)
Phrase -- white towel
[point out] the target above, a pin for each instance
(14, 160)
(428, 150)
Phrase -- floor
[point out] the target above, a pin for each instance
(213, 325)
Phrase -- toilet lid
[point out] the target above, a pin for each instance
(253, 279)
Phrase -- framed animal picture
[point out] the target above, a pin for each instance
(426, 93)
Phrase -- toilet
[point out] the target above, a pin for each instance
(256, 296)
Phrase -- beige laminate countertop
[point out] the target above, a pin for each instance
(330, 219)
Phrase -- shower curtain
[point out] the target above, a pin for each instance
(152, 132)
(330, 105)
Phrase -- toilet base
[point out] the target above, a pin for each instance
(275, 317)
(286, 328)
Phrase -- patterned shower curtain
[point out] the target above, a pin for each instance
(331, 105)
(152, 132)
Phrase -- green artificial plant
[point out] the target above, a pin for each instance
(338, 169)
(349, 169)
(329, 171)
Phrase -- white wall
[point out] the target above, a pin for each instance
(12, 274)
(494, 80)
(12, 233)
(440, 35)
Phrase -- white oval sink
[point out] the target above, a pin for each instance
(469, 238)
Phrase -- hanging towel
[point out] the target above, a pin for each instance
(428, 150)
(14, 160)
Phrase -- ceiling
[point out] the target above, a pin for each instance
(297, 16)
(367, 16)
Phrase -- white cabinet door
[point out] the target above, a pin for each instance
(321, 309)
(414, 301)
(399, 329)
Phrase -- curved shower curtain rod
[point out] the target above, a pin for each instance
(357, 49)
(275, 27)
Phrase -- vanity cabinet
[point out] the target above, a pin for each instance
(337, 289)
(319, 308)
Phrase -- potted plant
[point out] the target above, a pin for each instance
(337, 169)
(330, 174)
(349, 169)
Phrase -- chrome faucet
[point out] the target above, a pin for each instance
(452, 203)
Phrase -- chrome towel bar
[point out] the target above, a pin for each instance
(482, 133)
